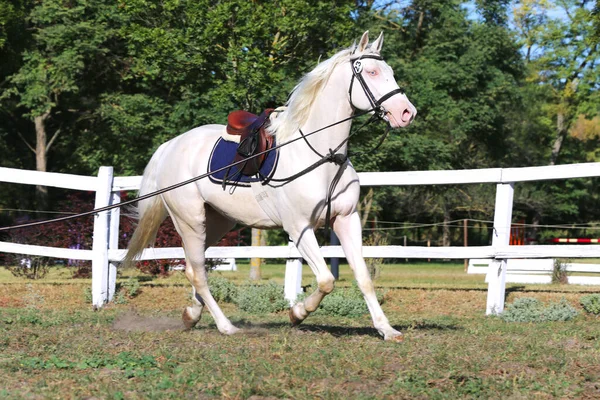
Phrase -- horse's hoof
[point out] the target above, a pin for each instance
(397, 338)
(232, 330)
(188, 321)
(293, 319)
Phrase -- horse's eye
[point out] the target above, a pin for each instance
(372, 73)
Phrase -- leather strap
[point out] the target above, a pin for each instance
(357, 73)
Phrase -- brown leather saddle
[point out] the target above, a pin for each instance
(254, 138)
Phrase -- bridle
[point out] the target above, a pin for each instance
(376, 104)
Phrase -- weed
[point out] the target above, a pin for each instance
(132, 366)
(591, 303)
(30, 317)
(87, 295)
(532, 310)
(259, 299)
(559, 273)
(127, 290)
(375, 265)
(131, 287)
(120, 298)
(33, 299)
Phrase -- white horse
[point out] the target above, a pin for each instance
(356, 78)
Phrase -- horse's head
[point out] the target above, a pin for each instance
(372, 85)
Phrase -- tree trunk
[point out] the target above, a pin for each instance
(368, 200)
(561, 132)
(255, 263)
(446, 228)
(41, 158)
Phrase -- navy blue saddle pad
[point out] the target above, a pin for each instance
(224, 153)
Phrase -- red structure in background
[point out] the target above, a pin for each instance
(517, 234)
(574, 240)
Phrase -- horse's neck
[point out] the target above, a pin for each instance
(331, 106)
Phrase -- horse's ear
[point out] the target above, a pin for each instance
(378, 44)
(364, 41)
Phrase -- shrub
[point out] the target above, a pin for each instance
(74, 234)
(78, 233)
(222, 289)
(338, 303)
(591, 303)
(345, 302)
(166, 236)
(260, 299)
(532, 310)
(27, 266)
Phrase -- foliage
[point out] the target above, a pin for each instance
(113, 80)
(70, 234)
(166, 236)
(591, 303)
(222, 289)
(343, 302)
(528, 309)
(261, 299)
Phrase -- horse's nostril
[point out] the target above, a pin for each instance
(407, 116)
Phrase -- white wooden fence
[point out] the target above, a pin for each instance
(539, 271)
(105, 252)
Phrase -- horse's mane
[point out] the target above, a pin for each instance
(304, 95)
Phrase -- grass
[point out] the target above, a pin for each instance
(52, 345)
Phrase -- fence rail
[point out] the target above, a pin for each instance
(105, 252)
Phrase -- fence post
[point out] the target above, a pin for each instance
(113, 242)
(293, 277)
(496, 275)
(100, 268)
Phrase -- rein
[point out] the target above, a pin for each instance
(339, 159)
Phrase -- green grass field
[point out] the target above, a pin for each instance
(52, 345)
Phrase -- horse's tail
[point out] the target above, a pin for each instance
(150, 212)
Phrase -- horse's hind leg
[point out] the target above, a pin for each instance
(195, 242)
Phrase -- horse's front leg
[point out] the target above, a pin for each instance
(307, 245)
(348, 229)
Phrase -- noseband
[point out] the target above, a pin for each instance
(357, 69)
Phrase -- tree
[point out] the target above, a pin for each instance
(190, 63)
(560, 122)
(562, 54)
(66, 45)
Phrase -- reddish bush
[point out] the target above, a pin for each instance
(78, 233)
(167, 236)
(73, 234)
